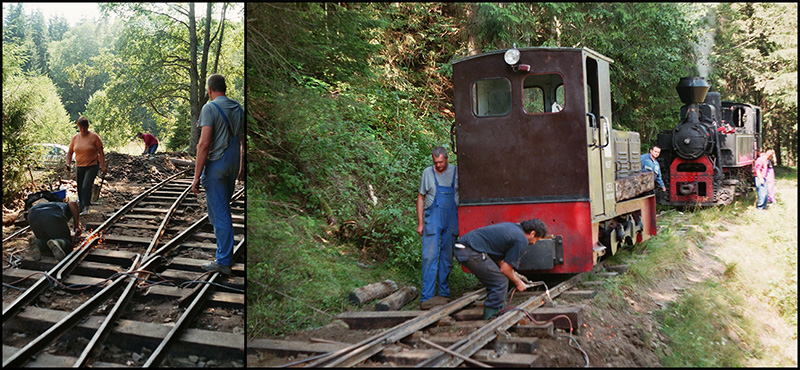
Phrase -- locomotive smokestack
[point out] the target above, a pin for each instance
(692, 90)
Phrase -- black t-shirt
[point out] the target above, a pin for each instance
(506, 241)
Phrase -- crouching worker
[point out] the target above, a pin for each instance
(493, 253)
(49, 224)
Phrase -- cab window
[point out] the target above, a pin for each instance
(543, 93)
(491, 97)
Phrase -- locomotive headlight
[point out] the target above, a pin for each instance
(511, 56)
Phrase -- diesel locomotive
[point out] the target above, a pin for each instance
(708, 158)
(534, 138)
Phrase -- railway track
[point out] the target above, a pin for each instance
(133, 292)
(450, 335)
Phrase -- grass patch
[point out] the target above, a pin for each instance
(746, 316)
(299, 276)
(706, 329)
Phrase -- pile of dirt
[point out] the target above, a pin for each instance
(145, 169)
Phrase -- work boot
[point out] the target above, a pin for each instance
(214, 266)
(488, 312)
(57, 247)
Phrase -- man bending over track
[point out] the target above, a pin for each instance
(503, 244)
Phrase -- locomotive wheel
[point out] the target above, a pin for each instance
(617, 235)
(725, 195)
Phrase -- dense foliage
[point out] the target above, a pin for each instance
(346, 101)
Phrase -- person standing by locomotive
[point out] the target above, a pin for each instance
(219, 163)
(649, 163)
(89, 159)
(760, 169)
(437, 223)
(493, 253)
(770, 177)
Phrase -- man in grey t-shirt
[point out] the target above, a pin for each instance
(219, 164)
(437, 223)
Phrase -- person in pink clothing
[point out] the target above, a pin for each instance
(150, 143)
(760, 169)
(770, 177)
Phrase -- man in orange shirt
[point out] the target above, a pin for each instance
(89, 159)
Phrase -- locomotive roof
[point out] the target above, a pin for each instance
(522, 50)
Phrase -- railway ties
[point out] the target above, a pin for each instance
(449, 335)
(133, 293)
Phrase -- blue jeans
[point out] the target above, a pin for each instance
(152, 149)
(761, 192)
(219, 180)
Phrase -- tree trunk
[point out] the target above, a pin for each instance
(372, 291)
(194, 89)
(198, 73)
(397, 300)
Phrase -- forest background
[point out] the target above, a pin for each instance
(347, 100)
(145, 70)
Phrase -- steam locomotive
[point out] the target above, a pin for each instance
(708, 158)
(533, 128)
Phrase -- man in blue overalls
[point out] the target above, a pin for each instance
(220, 150)
(437, 223)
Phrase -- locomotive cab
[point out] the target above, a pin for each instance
(534, 139)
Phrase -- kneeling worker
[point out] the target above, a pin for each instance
(49, 224)
(493, 252)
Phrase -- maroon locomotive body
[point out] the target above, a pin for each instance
(534, 138)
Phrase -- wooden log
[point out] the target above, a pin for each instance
(372, 291)
(181, 162)
(633, 185)
(397, 300)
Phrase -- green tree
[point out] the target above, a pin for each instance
(40, 40)
(57, 26)
(164, 59)
(32, 112)
(75, 63)
(755, 61)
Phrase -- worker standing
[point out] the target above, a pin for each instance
(150, 143)
(493, 253)
(220, 151)
(649, 163)
(89, 159)
(437, 223)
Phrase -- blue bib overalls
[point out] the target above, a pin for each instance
(441, 231)
(219, 180)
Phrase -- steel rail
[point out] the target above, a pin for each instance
(159, 353)
(19, 358)
(105, 329)
(16, 233)
(481, 337)
(358, 352)
(102, 333)
(72, 259)
(97, 232)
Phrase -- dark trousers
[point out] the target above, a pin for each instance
(86, 176)
(487, 271)
(48, 222)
